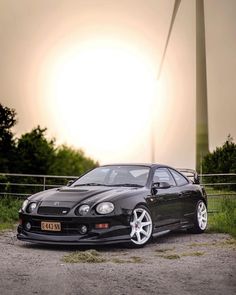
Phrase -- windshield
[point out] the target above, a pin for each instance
(115, 176)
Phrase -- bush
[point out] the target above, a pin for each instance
(221, 160)
(9, 208)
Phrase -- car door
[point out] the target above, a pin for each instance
(187, 196)
(164, 203)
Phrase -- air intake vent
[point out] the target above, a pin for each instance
(53, 210)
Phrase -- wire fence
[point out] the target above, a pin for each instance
(219, 187)
(23, 185)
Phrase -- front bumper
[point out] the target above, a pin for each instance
(118, 231)
(71, 240)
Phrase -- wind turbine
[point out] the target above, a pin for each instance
(202, 145)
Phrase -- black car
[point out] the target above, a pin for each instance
(114, 204)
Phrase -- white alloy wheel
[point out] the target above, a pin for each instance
(141, 226)
(202, 215)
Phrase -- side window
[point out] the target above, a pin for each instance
(180, 179)
(163, 175)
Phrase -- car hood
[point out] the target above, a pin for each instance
(71, 196)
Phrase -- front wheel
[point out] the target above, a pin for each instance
(200, 218)
(141, 226)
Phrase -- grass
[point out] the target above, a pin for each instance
(9, 208)
(201, 244)
(93, 256)
(231, 243)
(215, 190)
(89, 256)
(168, 254)
(224, 221)
(118, 260)
(133, 259)
(163, 250)
(196, 253)
(136, 259)
(172, 256)
(216, 197)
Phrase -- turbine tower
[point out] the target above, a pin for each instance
(202, 145)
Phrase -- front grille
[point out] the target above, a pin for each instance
(53, 210)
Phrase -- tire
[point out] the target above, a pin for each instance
(200, 218)
(141, 226)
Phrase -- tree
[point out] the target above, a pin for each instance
(221, 160)
(35, 153)
(69, 161)
(38, 155)
(7, 142)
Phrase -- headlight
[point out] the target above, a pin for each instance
(105, 208)
(24, 205)
(31, 207)
(84, 209)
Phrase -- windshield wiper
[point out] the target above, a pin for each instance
(101, 184)
(90, 184)
(127, 184)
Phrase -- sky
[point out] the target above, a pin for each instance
(87, 70)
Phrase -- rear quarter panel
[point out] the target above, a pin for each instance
(191, 194)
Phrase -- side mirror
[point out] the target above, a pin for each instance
(164, 185)
(69, 183)
(159, 185)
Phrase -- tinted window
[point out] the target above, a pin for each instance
(163, 175)
(180, 179)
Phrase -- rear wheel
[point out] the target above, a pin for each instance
(200, 218)
(141, 226)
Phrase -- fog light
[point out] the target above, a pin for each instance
(28, 226)
(83, 229)
(84, 209)
(101, 225)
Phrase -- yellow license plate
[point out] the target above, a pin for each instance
(50, 226)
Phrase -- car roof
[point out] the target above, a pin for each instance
(150, 165)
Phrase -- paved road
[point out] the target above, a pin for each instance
(178, 263)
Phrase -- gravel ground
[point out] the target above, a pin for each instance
(178, 263)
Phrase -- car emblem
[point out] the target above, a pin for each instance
(56, 203)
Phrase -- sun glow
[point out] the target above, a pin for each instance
(102, 94)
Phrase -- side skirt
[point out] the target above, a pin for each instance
(160, 233)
